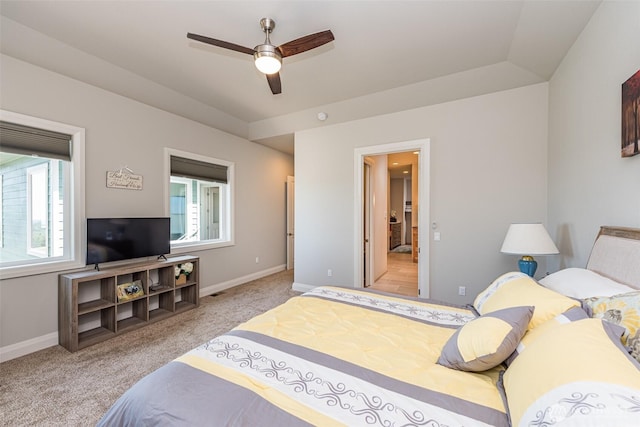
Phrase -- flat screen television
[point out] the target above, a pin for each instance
(116, 239)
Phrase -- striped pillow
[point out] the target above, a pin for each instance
(485, 342)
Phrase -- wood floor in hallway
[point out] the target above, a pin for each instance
(401, 276)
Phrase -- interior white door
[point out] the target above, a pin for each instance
(290, 220)
(367, 211)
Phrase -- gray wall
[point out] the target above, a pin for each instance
(121, 132)
(488, 169)
(589, 183)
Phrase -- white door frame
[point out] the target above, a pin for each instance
(422, 145)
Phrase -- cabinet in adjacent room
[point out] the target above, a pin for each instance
(395, 234)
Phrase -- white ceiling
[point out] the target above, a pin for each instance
(387, 55)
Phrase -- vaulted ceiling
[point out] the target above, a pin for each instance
(387, 55)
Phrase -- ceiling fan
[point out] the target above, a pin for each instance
(268, 57)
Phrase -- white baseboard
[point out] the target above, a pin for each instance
(39, 343)
(219, 287)
(29, 346)
(301, 287)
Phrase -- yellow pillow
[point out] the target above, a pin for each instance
(575, 374)
(516, 289)
(572, 315)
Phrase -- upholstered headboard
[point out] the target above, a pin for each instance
(616, 254)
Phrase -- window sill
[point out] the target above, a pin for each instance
(198, 246)
(37, 269)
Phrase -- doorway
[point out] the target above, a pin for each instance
(419, 211)
(401, 273)
(290, 191)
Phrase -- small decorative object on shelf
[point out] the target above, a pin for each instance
(131, 290)
(157, 287)
(182, 272)
(393, 217)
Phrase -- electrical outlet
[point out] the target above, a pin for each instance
(257, 260)
(462, 290)
(329, 273)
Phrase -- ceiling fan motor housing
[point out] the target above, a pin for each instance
(267, 50)
(267, 25)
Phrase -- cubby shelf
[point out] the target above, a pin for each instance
(89, 310)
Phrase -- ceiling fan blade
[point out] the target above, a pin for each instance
(220, 43)
(274, 83)
(306, 43)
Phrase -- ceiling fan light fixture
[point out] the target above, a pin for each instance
(267, 59)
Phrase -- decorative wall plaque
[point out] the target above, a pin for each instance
(124, 178)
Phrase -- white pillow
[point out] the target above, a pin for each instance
(581, 283)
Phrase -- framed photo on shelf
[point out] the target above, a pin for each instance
(130, 290)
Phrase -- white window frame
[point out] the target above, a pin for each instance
(1, 211)
(227, 218)
(41, 169)
(74, 234)
(222, 195)
(188, 196)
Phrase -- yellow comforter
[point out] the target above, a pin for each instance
(332, 356)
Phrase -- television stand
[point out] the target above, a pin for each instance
(91, 309)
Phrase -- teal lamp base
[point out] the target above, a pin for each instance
(528, 265)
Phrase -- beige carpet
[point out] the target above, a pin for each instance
(55, 387)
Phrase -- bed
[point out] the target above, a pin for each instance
(521, 354)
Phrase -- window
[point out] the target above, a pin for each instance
(38, 209)
(1, 214)
(200, 200)
(42, 204)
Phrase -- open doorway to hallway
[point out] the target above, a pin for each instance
(372, 206)
(401, 275)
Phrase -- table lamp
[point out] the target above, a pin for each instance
(528, 240)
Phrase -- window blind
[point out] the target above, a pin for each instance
(195, 169)
(26, 140)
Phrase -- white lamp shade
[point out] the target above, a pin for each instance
(528, 239)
